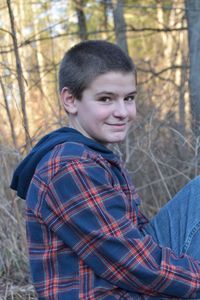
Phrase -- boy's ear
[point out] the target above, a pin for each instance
(68, 101)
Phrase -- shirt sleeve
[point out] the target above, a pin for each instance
(89, 214)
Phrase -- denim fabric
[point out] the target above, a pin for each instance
(177, 224)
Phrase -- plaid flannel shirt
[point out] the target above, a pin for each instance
(85, 242)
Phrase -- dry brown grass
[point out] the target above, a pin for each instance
(14, 278)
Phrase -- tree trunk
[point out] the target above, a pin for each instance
(181, 88)
(19, 77)
(193, 20)
(79, 5)
(120, 25)
(53, 55)
(105, 5)
(45, 104)
(8, 114)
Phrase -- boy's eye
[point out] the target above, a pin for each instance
(105, 99)
(130, 98)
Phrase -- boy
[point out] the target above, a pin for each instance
(87, 237)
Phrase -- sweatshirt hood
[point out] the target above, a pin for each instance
(24, 172)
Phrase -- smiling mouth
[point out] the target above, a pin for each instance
(118, 125)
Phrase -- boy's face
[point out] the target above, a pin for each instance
(107, 108)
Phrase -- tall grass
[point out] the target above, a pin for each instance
(14, 275)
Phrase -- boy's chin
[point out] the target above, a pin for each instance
(118, 139)
(111, 139)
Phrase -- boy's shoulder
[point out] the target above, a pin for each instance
(62, 155)
(69, 150)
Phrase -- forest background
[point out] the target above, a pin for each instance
(162, 149)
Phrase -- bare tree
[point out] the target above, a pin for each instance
(79, 5)
(105, 4)
(19, 76)
(193, 19)
(8, 113)
(120, 25)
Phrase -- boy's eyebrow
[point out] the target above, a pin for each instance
(111, 93)
(131, 93)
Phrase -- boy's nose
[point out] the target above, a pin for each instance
(120, 110)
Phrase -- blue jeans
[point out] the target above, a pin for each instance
(177, 224)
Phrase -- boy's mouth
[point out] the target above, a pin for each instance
(118, 124)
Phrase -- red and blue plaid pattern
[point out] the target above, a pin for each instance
(83, 229)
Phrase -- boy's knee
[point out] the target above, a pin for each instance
(193, 187)
(196, 180)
